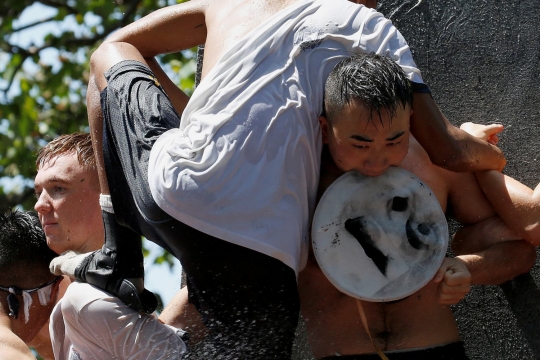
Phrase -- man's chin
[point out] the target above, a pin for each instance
(56, 247)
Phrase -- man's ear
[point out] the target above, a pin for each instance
(324, 128)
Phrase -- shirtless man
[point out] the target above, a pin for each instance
(27, 289)
(369, 139)
(226, 176)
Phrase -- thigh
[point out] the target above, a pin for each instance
(136, 112)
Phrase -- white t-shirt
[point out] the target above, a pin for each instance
(244, 164)
(88, 323)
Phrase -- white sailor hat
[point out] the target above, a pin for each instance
(379, 238)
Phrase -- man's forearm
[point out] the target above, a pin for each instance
(448, 146)
(500, 262)
(493, 253)
(180, 313)
(166, 30)
(517, 205)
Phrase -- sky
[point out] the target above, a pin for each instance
(158, 278)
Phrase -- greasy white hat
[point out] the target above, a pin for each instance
(379, 238)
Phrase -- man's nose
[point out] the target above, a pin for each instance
(43, 203)
(376, 165)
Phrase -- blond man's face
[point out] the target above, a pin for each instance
(68, 205)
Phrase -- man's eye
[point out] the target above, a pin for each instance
(393, 144)
(59, 189)
(37, 194)
(361, 146)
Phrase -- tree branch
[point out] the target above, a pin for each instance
(15, 49)
(33, 24)
(12, 78)
(130, 11)
(59, 5)
(69, 44)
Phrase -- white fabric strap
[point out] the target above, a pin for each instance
(44, 295)
(27, 298)
(106, 203)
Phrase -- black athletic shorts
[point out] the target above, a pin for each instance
(453, 351)
(249, 301)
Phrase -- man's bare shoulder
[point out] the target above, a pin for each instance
(459, 194)
(417, 160)
(438, 179)
(12, 347)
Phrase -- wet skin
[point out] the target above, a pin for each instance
(368, 146)
(332, 318)
(68, 205)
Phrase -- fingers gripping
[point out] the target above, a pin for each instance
(454, 281)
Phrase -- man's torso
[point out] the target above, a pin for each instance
(332, 318)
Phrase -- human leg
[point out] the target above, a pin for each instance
(249, 300)
(118, 266)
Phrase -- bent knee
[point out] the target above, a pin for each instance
(109, 54)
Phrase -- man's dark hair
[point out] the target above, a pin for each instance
(22, 241)
(375, 80)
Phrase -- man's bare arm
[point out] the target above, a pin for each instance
(167, 30)
(499, 262)
(517, 204)
(170, 29)
(448, 146)
(493, 253)
(180, 313)
(11, 346)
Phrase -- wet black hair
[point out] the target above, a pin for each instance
(22, 241)
(376, 80)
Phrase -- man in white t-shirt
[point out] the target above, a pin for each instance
(100, 326)
(230, 187)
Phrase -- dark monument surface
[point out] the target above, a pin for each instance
(482, 61)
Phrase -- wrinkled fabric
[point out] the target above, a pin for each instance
(244, 164)
(88, 323)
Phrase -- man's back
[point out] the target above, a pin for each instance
(252, 124)
(230, 20)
